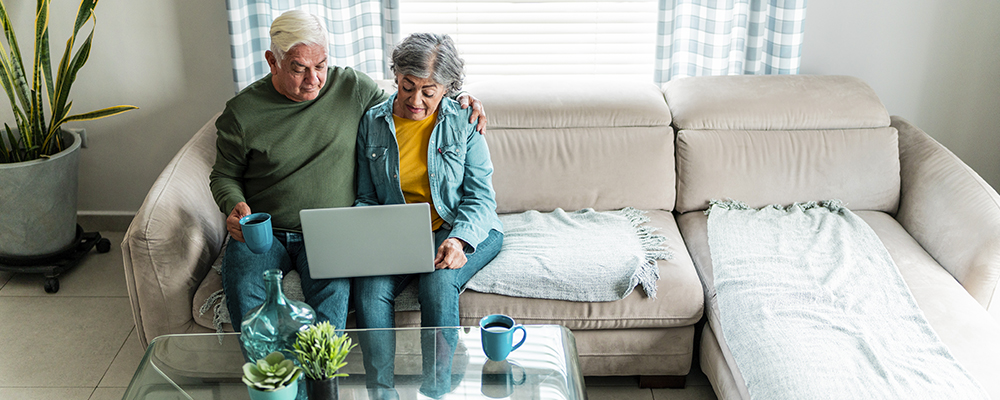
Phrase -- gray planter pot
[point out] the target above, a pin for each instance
(38, 203)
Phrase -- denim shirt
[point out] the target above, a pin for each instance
(458, 167)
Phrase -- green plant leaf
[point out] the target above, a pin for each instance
(6, 155)
(274, 358)
(7, 78)
(97, 114)
(62, 88)
(16, 63)
(46, 62)
(37, 116)
(66, 77)
(21, 86)
(41, 31)
(68, 67)
(83, 14)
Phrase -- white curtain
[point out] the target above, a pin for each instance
(362, 33)
(728, 37)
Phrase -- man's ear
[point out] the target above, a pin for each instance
(272, 61)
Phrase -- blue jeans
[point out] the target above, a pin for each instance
(374, 302)
(243, 272)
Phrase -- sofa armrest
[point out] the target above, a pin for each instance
(171, 243)
(951, 211)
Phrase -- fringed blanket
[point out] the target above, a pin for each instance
(583, 255)
(813, 307)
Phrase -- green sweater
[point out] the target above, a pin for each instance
(282, 156)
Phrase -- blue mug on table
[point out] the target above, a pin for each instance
(257, 232)
(497, 332)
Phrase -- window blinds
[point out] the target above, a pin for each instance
(539, 38)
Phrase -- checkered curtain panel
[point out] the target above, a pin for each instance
(734, 37)
(362, 33)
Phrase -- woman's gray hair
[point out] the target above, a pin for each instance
(293, 28)
(430, 55)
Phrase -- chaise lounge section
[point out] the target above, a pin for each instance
(785, 139)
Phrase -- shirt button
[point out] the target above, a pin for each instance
(432, 175)
(373, 155)
(393, 175)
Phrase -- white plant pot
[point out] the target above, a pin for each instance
(38, 203)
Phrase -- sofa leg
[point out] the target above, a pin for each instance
(662, 381)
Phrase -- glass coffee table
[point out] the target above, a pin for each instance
(208, 366)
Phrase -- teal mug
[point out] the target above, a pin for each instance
(497, 332)
(257, 232)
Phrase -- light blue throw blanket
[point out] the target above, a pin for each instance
(813, 307)
(584, 255)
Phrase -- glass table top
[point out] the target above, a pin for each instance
(209, 366)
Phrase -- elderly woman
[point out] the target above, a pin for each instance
(443, 161)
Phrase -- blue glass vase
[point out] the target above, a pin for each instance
(273, 325)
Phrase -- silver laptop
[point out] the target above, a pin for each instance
(365, 241)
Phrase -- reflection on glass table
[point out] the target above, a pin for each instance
(208, 366)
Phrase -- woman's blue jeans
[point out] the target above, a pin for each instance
(374, 302)
(243, 283)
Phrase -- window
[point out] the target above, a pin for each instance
(538, 38)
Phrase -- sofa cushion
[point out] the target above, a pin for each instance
(774, 102)
(962, 324)
(678, 303)
(857, 166)
(565, 103)
(603, 145)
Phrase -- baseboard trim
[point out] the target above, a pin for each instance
(111, 221)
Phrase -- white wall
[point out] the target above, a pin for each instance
(168, 57)
(934, 62)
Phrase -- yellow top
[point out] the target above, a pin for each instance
(413, 138)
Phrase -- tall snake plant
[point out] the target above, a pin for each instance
(36, 138)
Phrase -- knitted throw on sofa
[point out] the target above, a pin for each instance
(583, 255)
(813, 307)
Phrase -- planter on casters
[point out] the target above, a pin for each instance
(38, 229)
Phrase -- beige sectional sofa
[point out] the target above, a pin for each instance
(574, 144)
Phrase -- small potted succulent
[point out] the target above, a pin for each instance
(272, 378)
(322, 352)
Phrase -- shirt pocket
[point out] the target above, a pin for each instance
(453, 162)
(378, 164)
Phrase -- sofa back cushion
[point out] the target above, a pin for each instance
(783, 139)
(578, 144)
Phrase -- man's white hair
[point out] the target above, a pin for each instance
(293, 28)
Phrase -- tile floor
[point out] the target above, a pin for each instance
(81, 343)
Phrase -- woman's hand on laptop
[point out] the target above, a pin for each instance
(450, 255)
(241, 210)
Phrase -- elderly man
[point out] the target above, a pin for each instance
(286, 143)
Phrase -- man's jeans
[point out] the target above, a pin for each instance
(374, 301)
(243, 273)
